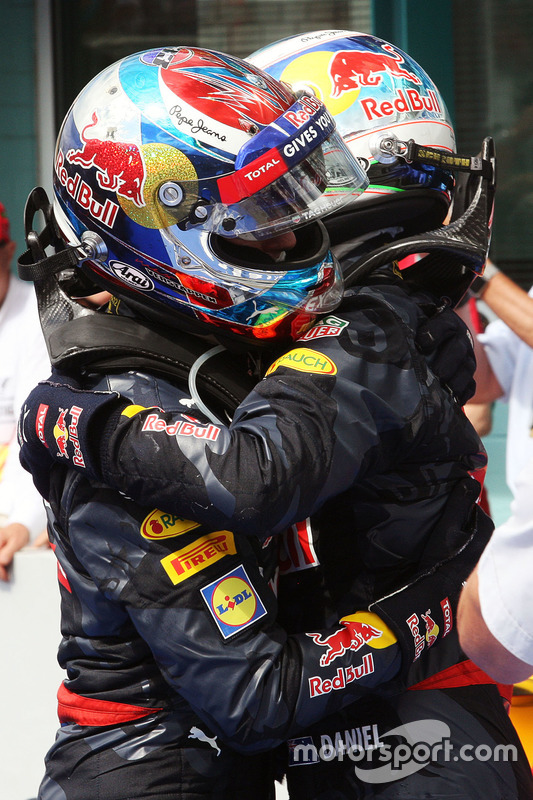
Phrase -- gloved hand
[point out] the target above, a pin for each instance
(422, 613)
(53, 420)
(447, 345)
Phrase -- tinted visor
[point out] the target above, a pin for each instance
(295, 170)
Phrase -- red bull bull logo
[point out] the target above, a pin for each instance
(352, 69)
(119, 165)
(352, 636)
(432, 629)
(61, 432)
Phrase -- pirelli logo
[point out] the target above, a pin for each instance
(205, 551)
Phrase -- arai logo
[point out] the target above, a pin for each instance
(131, 275)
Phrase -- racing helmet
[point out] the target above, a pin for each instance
(167, 157)
(394, 120)
(379, 96)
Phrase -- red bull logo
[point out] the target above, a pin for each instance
(432, 629)
(419, 641)
(61, 432)
(154, 422)
(344, 676)
(119, 165)
(352, 636)
(352, 69)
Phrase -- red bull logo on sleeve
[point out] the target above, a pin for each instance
(189, 426)
(64, 433)
(420, 640)
(432, 629)
(233, 602)
(351, 636)
(344, 676)
(414, 626)
(61, 432)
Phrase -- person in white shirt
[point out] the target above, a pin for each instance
(504, 354)
(23, 359)
(495, 619)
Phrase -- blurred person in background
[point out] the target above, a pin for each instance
(23, 356)
(494, 617)
(504, 354)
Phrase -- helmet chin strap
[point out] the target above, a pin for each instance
(454, 254)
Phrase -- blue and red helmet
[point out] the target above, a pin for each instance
(169, 155)
(377, 94)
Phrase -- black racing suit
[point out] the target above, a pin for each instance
(351, 439)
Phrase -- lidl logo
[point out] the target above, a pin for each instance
(160, 525)
(304, 359)
(200, 554)
(233, 602)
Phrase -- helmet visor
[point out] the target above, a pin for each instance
(324, 181)
(295, 170)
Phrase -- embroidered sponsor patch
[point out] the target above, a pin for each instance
(183, 427)
(64, 433)
(356, 631)
(432, 629)
(40, 419)
(448, 616)
(329, 326)
(160, 525)
(233, 602)
(200, 554)
(419, 641)
(343, 676)
(305, 360)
